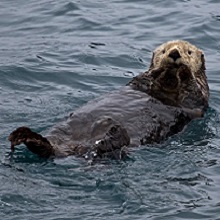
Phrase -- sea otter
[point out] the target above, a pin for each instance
(151, 107)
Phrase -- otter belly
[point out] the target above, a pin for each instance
(145, 119)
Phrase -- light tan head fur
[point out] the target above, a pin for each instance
(176, 75)
(190, 55)
(183, 60)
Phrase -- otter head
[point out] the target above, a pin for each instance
(177, 74)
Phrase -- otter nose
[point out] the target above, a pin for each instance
(174, 54)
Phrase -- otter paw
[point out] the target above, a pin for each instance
(113, 143)
(19, 136)
(35, 142)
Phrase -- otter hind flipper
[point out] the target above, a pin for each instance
(112, 145)
(35, 142)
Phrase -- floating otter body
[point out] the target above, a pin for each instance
(151, 107)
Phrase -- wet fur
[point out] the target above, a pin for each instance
(151, 107)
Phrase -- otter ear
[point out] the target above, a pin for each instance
(203, 61)
(152, 61)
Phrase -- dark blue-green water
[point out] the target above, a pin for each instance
(57, 55)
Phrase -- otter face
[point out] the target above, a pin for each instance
(178, 53)
(178, 68)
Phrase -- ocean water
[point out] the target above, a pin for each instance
(57, 55)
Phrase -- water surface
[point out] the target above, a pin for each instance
(57, 55)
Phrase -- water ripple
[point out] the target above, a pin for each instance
(57, 55)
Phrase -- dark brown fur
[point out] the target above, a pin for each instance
(153, 106)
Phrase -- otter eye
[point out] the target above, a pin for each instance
(189, 52)
(163, 51)
(202, 55)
